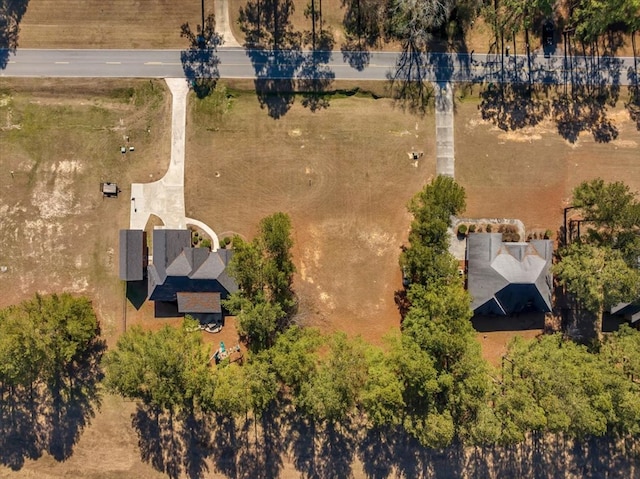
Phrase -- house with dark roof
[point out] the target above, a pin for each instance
(630, 311)
(195, 279)
(132, 255)
(506, 278)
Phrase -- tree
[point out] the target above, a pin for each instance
(554, 385)
(166, 370)
(592, 18)
(258, 323)
(598, 277)
(332, 393)
(294, 357)
(614, 212)
(382, 395)
(264, 271)
(439, 324)
(275, 237)
(427, 259)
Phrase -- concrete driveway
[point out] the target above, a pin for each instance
(165, 197)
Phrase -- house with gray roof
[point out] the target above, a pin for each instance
(132, 255)
(196, 279)
(507, 278)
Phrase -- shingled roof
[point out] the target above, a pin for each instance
(506, 278)
(179, 268)
(131, 255)
(631, 311)
(199, 302)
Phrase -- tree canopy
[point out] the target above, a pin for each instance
(264, 271)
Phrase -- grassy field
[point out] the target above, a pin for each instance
(60, 140)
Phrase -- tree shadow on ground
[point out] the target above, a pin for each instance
(175, 445)
(51, 417)
(314, 75)
(512, 107)
(336, 452)
(281, 66)
(262, 457)
(227, 445)
(11, 13)
(200, 61)
(301, 437)
(356, 55)
(577, 113)
(377, 451)
(633, 105)
(409, 83)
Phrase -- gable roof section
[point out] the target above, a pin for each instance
(505, 278)
(179, 268)
(131, 255)
(167, 246)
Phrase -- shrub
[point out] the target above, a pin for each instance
(205, 243)
(462, 229)
(548, 234)
(472, 228)
(489, 228)
(226, 240)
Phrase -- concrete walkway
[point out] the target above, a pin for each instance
(165, 197)
(223, 25)
(445, 158)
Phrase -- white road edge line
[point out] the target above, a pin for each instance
(113, 63)
(61, 63)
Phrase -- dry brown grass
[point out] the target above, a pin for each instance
(111, 24)
(344, 176)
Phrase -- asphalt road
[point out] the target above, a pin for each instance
(240, 63)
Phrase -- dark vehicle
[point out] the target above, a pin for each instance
(548, 33)
(548, 37)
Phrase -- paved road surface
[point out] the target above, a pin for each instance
(240, 63)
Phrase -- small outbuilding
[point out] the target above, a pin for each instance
(109, 190)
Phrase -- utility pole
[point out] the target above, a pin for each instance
(202, 3)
